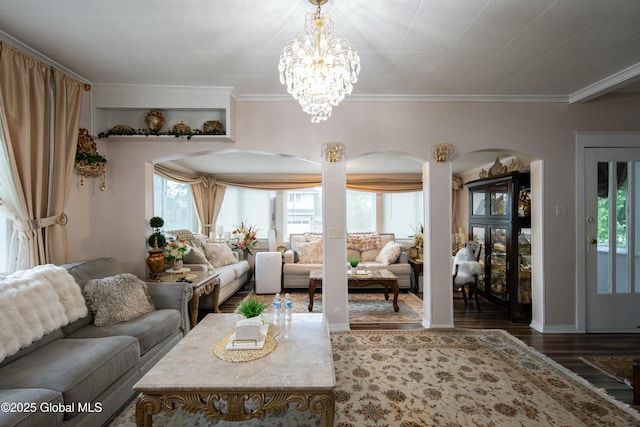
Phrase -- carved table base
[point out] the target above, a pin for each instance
(236, 405)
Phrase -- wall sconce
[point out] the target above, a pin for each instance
(333, 152)
(443, 152)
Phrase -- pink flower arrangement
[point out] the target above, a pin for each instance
(247, 237)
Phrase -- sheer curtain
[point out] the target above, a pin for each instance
(40, 136)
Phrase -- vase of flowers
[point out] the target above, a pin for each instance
(174, 252)
(418, 239)
(247, 238)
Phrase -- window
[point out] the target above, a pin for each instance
(174, 204)
(303, 211)
(402, 212)
(254, 207)
(399, 212)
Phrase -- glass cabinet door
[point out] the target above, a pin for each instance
(498, 262)
(478, 202)
(478, 235)
(524, 266)
(499, 202)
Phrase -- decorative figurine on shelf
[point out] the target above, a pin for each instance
(88, 162)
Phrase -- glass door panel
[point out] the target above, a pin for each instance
(478, 200)
(524, 266)
(478, 235)
(498, 264)
(499, 202)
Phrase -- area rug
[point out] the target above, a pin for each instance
(454, 377)
(363, 307)
(619, 368)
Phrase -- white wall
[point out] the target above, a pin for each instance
(113, 222)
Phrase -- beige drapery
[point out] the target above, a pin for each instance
(371, 183)
(206, 192)
(41, 113)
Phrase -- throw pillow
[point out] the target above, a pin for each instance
(219, 254)
(116, 299)
(310, 253)
(390, 253)
(197, 256)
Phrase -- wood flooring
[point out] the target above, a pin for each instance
(565, 349)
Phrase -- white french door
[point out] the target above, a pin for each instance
(612, 231)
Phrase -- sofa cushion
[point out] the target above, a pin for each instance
(226, 275)
(390, 253)
(149, 329)
(34, 398)
(117, 299)
(182, 234)
(80, 369)
(219, 254)
(310, 252)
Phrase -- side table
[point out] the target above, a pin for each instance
(203, 282)
(416, 267)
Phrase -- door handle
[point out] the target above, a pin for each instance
(593, 241)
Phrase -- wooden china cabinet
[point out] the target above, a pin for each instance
(500, 219)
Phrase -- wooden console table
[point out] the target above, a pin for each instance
(383, 278)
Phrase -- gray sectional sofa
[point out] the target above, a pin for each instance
(81, 374)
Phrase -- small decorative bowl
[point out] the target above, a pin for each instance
(181, 128)
(212, 126)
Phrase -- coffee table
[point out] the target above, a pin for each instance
(383, 278)
(299, 370)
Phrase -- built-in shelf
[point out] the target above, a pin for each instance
(128, 105)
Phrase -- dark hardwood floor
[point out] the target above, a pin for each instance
(565, 349)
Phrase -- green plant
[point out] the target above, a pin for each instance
(251, 307)
(92, 157)
(157, 237)
(353, 262)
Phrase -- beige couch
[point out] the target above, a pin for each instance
(297, 266)
(217, 258)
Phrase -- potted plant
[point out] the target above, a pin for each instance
(157, 238)
(354, 262)
(155, 261)
(175, 251)
(251, 307)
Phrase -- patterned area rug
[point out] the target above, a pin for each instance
(441, 377)
(363, 307)
(617, 367)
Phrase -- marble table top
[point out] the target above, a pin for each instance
(302, 360)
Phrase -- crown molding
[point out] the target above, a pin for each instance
(606, 85)
(420, 98)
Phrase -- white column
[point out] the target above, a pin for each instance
(438, 289)
(334, 245)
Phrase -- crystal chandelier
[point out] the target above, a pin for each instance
(318, 67)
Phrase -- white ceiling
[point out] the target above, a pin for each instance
(551, 50)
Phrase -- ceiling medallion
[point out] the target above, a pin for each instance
(318, 67)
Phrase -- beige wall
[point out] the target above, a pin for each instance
(113, 222)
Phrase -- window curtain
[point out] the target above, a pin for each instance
(40, 120)
(206, 192)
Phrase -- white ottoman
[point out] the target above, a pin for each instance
(268, 271)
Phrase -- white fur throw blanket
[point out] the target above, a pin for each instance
(36, 302)
(468, 267)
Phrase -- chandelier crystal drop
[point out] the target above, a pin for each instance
(318, 67)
